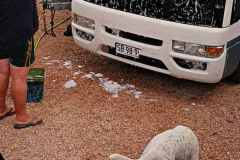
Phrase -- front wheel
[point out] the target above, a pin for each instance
(235, 77)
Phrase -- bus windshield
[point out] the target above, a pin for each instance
(194, 12)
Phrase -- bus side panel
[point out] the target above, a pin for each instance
(233, 57)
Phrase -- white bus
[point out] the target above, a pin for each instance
(197, 40)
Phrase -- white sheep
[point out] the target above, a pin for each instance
(179, 143)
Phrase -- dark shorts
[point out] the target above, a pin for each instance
(20, 56)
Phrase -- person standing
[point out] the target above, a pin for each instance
(18, 23)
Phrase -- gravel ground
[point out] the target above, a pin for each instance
(86, 122)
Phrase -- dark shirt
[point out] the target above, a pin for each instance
(18, 22)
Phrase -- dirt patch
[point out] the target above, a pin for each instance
(86, 122)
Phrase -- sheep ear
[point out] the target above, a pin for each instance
(118, 157)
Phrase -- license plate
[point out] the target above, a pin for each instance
(127, 50)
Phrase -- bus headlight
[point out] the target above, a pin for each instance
(197, 49)
(84, 21)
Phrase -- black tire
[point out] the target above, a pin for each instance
(235, 77)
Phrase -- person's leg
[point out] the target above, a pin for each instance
(19, 92)
(4, 80)
(21, 58)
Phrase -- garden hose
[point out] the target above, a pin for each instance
(48, 29)
(35, 45)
